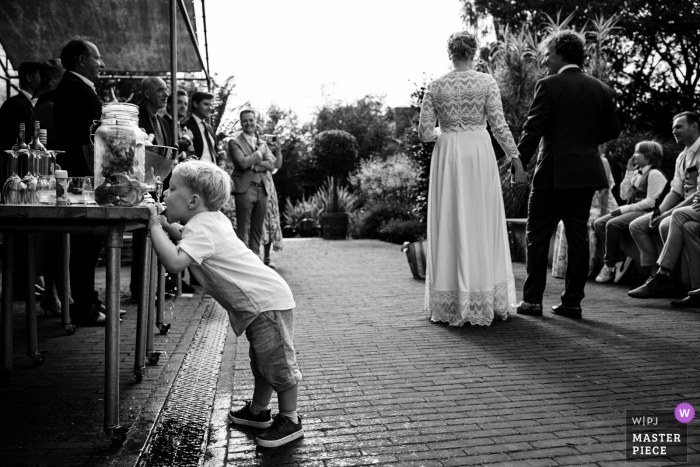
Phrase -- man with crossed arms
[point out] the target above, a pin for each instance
(251, 158)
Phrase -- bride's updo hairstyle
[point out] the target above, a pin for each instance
(461, 46)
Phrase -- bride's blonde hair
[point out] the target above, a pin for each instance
(461, 46)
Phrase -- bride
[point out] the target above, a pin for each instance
(469, 273)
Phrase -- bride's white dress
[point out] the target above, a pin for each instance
(469, 276)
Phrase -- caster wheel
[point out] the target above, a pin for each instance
(37, 359)
(70, 329)
(154, 358)
(118, 438)
(164, 328)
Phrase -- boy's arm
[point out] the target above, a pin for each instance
(174, 230)
(171, 257)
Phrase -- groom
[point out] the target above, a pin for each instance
(572, 113)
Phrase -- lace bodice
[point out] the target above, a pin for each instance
(463, 101)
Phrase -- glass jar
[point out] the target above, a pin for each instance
(119, 143)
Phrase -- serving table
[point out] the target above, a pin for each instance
(111, 223)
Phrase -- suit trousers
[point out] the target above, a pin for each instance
(610, 230)
(647, 239)
(84, 252)
(683, 236)
(251, 208)
(545, 209)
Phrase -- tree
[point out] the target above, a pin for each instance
(366, 119)
(334, 154)
(655, 49)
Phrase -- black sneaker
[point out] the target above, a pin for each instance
(282, 431)
(245, 417)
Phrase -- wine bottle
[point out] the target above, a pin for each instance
(20, 145)
(36, 144)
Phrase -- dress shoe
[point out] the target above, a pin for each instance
(270, 264)
(531, 309)
(102, 309)
(90, 317)
(694, 293)
(573, 312)
(654, 287)
(52, 309)
(187, 288)
(691, 301)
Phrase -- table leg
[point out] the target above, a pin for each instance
(160, 315)
(144, 237)
(30, 304)
(65, 284)
(152, 355)
(8, 245)
(116, 433)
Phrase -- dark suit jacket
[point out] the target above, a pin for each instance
(197, 140)
(572, 113)
(15, 110)
(75, 107)
(182, 143)
(166, 126)
(240, 155)
(43, 111)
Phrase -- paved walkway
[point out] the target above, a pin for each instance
(383, 386)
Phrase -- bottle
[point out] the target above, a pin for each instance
(36, 144)
(42, 136)
(656, 212)
(20, 149)
(61, 188)
(20, 145)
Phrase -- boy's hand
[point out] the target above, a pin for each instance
(153, 215)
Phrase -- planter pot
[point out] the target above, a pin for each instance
(335, 226)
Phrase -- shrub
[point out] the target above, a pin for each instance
(377, 215)
(334, 154)
(400, 230)
(295, 213)
(391, 180)
(347, 201)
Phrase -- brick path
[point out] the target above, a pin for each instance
(53, 414)
(384, 386)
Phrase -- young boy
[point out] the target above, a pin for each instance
(257, 299)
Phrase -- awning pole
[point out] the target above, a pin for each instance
(206, 44)
(173, 70)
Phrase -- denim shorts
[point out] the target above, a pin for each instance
(272, 355)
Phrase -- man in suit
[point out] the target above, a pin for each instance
(76, 105)
(203, 137)
(572, 113)
(18, 108)
(251, 158)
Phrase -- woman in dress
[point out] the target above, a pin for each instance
(469, 277)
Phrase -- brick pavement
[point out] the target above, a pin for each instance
(383, 386)
(53, 414)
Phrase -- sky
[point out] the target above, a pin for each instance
(300, 54)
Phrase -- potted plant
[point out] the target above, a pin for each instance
(336, 204)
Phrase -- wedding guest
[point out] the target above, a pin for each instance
(642, 186)
(18, 108)
(259, 302)
(203, 139)
(251, 157)
(686, 130)
(76, 106)
(51, 72)
(272, 228)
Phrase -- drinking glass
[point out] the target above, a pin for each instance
(89, 190)
(75, 190)
(45, 190)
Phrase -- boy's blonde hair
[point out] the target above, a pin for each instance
(207, 180)
(653, 150)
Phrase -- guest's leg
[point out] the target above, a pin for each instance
(543, 215)
(599, 227)
(665, 226)
(642, 236)
(267, 247)
(244, 206)
(256, 220)
(691, 248)
(674, 236)
(615, 229)
(575, 218)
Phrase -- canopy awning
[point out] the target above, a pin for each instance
(132, 35)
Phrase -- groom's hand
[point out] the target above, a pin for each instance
(519, 175)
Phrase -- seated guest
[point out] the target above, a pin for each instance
(18, 109)
(676, 211)
(642, 185)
